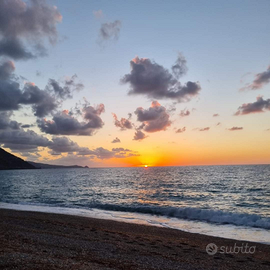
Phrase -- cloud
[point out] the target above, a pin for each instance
(215, 115)
(154, 119)
(109, 31)
(65, 124)
(6, 123)
(27, 126)
(43, 102)
(25, 27)
(153, 80)
(235, 128)
(6, 69)
(180, 130)
(259, 106)
(65, 91)
(64, 145)
(260, 80)
(120, 149)
(73, 159)
(180, 67)
(218, 124)
(139, 135)
(171, 108)
(116, 140)
(20, 140)
(15, 49)
(10, 94)
(29, 141)
(123, 123)
(184, 113)
(204, 129)
(102, 153)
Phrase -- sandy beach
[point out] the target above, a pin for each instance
(32, 240)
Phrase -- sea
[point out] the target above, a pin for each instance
(226, 201)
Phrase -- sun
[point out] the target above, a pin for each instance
(145, 166)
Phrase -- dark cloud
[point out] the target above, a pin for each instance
(139, 135)
(92, 115)
(259, 106)
(13, 48)
(43, 102)
(215, 115)
(6, 122)
(29, 141)
(180, 130)
(109, 31)
(67, 90)
(180, 67)
(153, 80)
(184, 113)
(65, 124)
(235, 128)
(116, 140)
(26, 26)
(27, 126)
(154, 119)
(10, 94)
(6, 69)
(102, 153)
(261, 79)
(123, 123)
(64, 145)
(21, 140)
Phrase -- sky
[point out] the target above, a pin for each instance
(135, 83)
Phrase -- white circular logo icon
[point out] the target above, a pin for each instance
(211, 249)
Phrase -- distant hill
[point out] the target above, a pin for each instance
(11, 162)
(49, 166)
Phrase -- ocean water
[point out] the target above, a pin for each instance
(226, 201)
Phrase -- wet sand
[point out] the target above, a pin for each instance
(32, 240)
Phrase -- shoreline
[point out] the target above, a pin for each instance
(37, 240)
(227, 231)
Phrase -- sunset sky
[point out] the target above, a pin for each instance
(134, 83)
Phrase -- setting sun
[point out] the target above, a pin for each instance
(145, 166)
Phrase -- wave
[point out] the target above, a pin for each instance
(188, 213)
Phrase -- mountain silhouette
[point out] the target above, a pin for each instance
(11, 162)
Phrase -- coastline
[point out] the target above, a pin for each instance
(36, 240)
(228, 231)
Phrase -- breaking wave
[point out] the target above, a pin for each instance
(197, 214)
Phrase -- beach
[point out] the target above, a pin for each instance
(35, 240)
